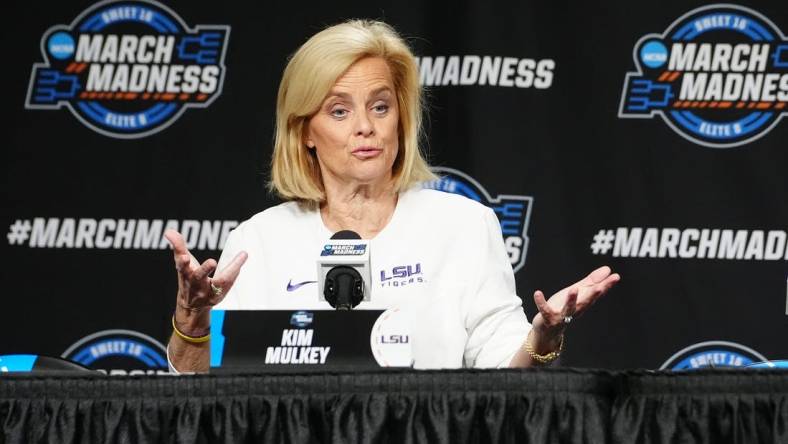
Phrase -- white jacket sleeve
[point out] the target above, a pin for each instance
(234, 244)
(495, 321)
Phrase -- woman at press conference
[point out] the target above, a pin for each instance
(347, 157)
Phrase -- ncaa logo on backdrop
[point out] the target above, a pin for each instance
(128, 69)
(718, 76)
(514, 212)
(712, 354)
(119, 352)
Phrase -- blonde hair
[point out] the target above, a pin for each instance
(306, 81)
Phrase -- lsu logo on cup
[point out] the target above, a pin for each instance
(128, 69)
(514, 212)
(718, 76)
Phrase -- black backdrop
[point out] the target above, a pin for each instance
(586, 169)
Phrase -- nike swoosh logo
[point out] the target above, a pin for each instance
(293, 287)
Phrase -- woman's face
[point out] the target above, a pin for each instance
(355, 130)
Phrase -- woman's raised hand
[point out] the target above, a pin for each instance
(197, 290)
(573, 300)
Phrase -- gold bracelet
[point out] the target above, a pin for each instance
(187, 338)
(543, 359)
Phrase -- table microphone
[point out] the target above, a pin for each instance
(343, 269)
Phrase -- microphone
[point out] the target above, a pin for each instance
(343, 270)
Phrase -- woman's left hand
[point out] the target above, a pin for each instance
(572, 301)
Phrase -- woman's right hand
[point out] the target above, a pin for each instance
(197, 290)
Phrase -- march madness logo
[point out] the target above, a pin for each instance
(514, 212)
(128, 69)
(718, 76)
(119, 352)
(712, 354)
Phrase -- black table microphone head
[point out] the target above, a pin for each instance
(344, 287)
(346, 234)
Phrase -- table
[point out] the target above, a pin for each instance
(525, 406)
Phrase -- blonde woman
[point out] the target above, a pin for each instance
(346, 157)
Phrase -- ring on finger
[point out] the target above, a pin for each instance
(217, 291)
(567, 319)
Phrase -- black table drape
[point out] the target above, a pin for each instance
(528, 406)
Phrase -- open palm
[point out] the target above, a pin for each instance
(575, 299)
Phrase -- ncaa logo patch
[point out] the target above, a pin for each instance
(514, 212)
(718, 76)
(712, 354)
(128, 69)
(119, 352)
